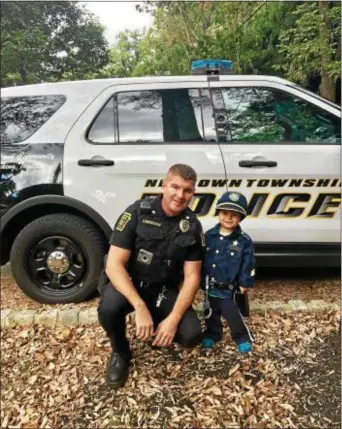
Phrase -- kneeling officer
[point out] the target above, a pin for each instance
(155, 244)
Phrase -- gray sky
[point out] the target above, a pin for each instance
(117, 16)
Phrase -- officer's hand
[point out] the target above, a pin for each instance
(144, 323)
(243, 290)
(165, 332)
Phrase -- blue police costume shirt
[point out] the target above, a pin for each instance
(229, 259)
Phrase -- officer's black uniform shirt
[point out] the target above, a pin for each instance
(124, 234)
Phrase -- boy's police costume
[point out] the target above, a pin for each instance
(229, 263)
(159, 245)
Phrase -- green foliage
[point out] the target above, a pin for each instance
(298, 40)
(245, 32)
(310, 47)
(49, 41)
(124, 55)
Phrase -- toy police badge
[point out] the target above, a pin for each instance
(234, 196)
(234, 247)
(184, 225)
(124, 219)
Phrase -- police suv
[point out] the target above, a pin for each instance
(74, 155)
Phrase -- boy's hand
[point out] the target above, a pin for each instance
(243, 290)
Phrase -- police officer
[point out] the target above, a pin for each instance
(156, 244)
(228, 266)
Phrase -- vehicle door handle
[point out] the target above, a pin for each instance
(95, 162)
(250, 164)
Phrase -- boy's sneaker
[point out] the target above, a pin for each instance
(245, 347)
(208, 343)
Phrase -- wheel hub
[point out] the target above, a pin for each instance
(58, 262)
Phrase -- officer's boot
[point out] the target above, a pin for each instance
(118, 369)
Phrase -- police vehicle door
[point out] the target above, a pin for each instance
(122, 146)
(282, 150)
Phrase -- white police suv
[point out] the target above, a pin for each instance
(74, 155)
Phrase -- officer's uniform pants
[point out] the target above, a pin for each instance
(114, 307)
(227, 308)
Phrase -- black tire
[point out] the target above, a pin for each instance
(83, 242)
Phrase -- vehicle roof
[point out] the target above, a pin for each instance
(99, 84)
(86, 90)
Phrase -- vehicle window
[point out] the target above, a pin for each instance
(140, 117)
(171, 115)
(102, 130)
(272, 116)
(21, 117)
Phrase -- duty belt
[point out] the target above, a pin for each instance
(221, 285)
(144, 284)
(152, 288)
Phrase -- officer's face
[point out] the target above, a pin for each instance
(229, 219)
(177, 194)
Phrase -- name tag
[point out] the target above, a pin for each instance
(152, 222)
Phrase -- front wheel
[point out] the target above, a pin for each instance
(58, 258)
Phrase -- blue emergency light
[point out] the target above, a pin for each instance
(212, 67)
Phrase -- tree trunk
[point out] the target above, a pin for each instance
(23, 76)
(327, 88)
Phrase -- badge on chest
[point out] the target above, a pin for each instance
(234, 246)
(184, 225)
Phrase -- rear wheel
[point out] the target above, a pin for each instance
(58, 258)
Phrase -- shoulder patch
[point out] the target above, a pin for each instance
(123, 221)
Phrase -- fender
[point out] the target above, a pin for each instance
(56, 200)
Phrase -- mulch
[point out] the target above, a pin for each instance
(271, 285)
(56, 378)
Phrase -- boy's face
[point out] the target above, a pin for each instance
(229, 219)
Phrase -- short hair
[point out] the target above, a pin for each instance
(184, 171)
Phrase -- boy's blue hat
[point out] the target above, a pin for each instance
(233, 201)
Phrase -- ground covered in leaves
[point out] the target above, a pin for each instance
(271, 285)
(292, 379)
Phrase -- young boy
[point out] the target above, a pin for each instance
(229, 265)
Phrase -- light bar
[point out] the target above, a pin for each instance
(211, 67)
